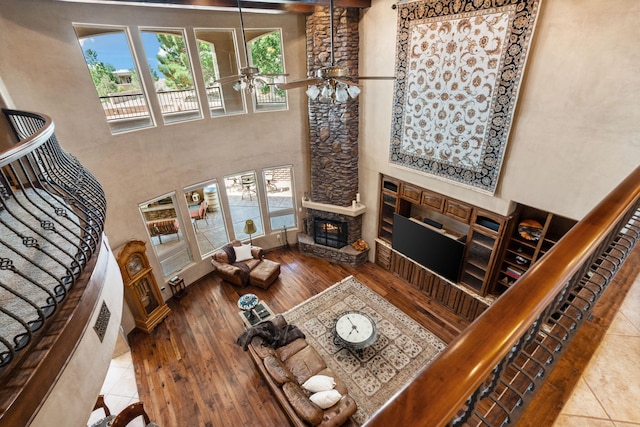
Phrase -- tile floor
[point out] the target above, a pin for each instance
(607, 395)
(119, 389)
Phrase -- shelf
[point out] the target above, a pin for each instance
(482, 240)
(528, 243)
(342, 210)
(471, 282)
(390, 185)
(553, 228)
(478, 271)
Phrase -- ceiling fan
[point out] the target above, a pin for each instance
(250, 78)
(332, 83)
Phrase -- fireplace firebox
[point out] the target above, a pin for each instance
(330, 233)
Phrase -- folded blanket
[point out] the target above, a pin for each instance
(271, 334)
(231, 253)
(244, 271)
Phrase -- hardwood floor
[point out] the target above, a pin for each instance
(189, 370)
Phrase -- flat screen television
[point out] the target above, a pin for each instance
(427, 246)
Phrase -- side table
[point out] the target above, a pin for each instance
(253, 311)
(176, 283)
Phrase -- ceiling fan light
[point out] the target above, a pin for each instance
(313, 92)
(326, 92)
(240, 85)
(341, 93)
(354, 91)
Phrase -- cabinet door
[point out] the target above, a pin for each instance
(388, 205)
(433, 201)
(411, 193)
(477, 260)
(387, 208)
(483, 243)
(383, 255)
(458, 210)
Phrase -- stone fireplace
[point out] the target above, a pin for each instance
(329, 232)
(333, 147)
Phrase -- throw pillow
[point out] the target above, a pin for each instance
(326, 399)
(243, 252)
(319, 383)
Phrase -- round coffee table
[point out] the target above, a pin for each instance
(355, 330)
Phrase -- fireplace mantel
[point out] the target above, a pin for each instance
(342, 210)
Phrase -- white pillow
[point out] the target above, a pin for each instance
(318, 383)
(243, 252)
(326, 399)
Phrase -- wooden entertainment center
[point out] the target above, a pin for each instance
(495, 254)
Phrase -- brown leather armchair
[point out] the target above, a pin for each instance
(257, 271)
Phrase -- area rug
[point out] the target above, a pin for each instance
(375, 374)
(459, 65)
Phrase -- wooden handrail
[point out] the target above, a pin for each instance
(443, 387)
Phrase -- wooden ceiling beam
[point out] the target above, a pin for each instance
(305, 6)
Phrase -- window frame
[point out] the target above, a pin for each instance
(182, 244)
(283, 212)
(221, 203)
(136, 63)
(238, 233)
(198, 112)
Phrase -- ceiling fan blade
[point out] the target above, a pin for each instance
(228, 79)
(298, 83)
(272, 75)
(374, 77)
(347, 82)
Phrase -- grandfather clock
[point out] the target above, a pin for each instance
(140, 287)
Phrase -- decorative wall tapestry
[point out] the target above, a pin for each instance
(459, 66)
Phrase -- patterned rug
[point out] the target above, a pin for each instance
(459, 66)
(375, 374)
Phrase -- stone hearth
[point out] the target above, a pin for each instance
(347, 254)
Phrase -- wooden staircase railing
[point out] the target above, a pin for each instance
(490, 372)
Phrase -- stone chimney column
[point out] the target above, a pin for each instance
(333, 128)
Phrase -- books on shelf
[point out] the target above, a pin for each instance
(514, 272)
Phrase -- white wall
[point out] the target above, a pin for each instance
(71, 401)
(576, 132)
(43, 70)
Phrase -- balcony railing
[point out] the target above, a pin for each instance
(52, 214)
(490, 372)
(131, 106)
(273, 96)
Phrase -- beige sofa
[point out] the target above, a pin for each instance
(286, 368)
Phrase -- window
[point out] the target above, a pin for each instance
(280, 204)
(115, 76)
(242, 196)
(265, 53)
(166, 233)
(218, 58)
(168, 58)
(207, 218)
